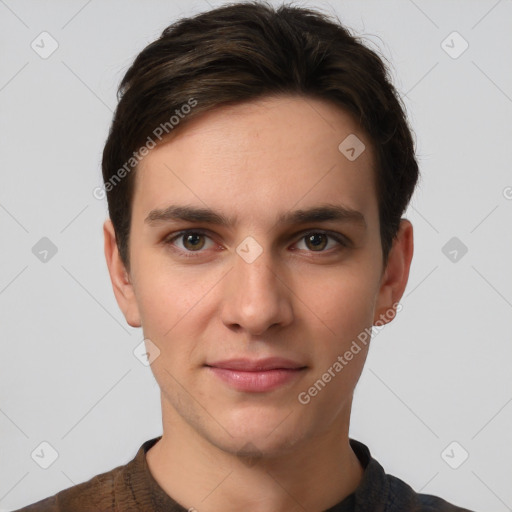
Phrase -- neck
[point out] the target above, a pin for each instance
(314, 474)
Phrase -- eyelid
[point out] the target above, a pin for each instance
(339, 237)
(168, 240)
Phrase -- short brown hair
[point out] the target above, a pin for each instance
(244, 51)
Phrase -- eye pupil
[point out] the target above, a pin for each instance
(314, 239)
(193, 239)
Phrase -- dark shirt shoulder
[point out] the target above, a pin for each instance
(128, 487)
(94, 494)
(403, 498)
(382, 492)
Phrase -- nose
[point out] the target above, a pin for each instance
(256, 295)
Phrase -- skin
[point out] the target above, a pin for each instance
(224, 449)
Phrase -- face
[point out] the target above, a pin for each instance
(253, 237)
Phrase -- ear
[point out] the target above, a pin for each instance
(121, 283)
(396, 274)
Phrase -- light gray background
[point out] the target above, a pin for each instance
(439, 373)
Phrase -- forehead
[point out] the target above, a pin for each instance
(261, 158)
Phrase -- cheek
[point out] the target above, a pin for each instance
(162, 297)
(170, 297)
(169, 320)
(342, 313)
(345, 304)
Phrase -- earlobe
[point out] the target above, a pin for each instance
(396, 275)
(120, 278)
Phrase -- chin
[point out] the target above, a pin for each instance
(262, 433)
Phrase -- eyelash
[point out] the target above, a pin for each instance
(344, 242)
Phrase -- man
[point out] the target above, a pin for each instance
(256, 171)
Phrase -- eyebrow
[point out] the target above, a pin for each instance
(320, 213)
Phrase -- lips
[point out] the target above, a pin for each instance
(252, 365)
(256, 376)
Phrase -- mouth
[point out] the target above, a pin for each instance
(256, 376)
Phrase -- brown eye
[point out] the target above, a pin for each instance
(321, 242)
(193, 241)
(188, 242)
(316, 241)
